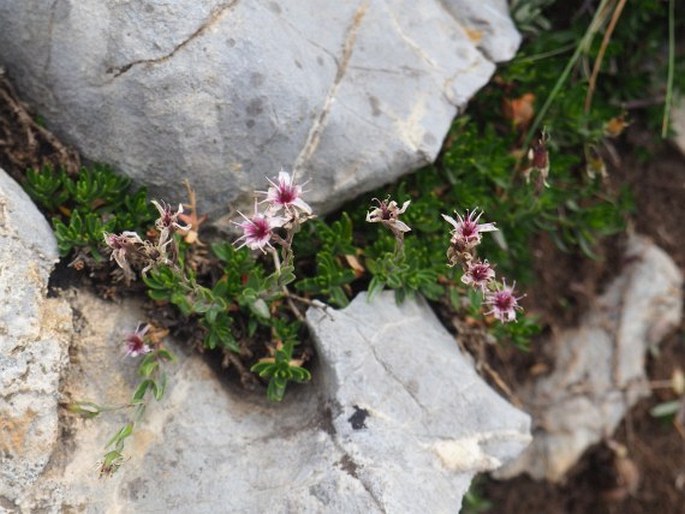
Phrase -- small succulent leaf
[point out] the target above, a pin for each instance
(142, 388)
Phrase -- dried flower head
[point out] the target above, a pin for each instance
(503, 303)
(285, 195)
(388, 213)
(135, 342)
(123, 247)
(257, 230)
(538, 156)
(152, 255)
(478, 274)
(193, 220)
(168, 223)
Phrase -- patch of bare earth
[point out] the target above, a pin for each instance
(566, 286)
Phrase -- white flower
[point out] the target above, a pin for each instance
(467, 231)
(257, 230)
(135, 342)
(478, 274)
(285, 194)
(503, 303)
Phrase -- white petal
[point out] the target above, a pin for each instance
(450, 220)
(487, 227)
(400, 225)
(299, 202)
(132, 235)
(284, 177)
(159, 207)
(374, 215)
(275, 221)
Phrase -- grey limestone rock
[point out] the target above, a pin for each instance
(395, 421)
(349, 94)
(409, 410)
(599, 370)
(34, 336)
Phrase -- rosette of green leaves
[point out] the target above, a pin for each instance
(84, 206)
(328, 244)
(280, 370)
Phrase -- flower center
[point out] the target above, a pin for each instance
(479, 273)
(287, 194)
(504, 301)
(258, 228)
(167, 219)
(135, 343)
(469, 229)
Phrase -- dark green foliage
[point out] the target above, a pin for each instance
(85, 233)
(83, 207)
(328, 244)
(97, 187)
(242, 304)
(280, 370)
(164, 285)
(519, 334)
(47, 187)
(409, 273)
(330, 279)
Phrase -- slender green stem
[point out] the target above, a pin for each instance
(399, 246)
(277, 261)
(583, 45)
(600, 55)
(671, 67)
(545, 55)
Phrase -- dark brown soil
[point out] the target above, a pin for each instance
(24, 142)
(564, 290)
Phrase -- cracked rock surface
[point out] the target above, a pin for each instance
(599, 370)
(34, 336)
(395, 421)
(408, 408)
(350, 94)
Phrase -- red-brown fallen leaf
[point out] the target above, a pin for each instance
(356, 266)
(615, 126)
(539, 368)
(192, 219)
(519, 110)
